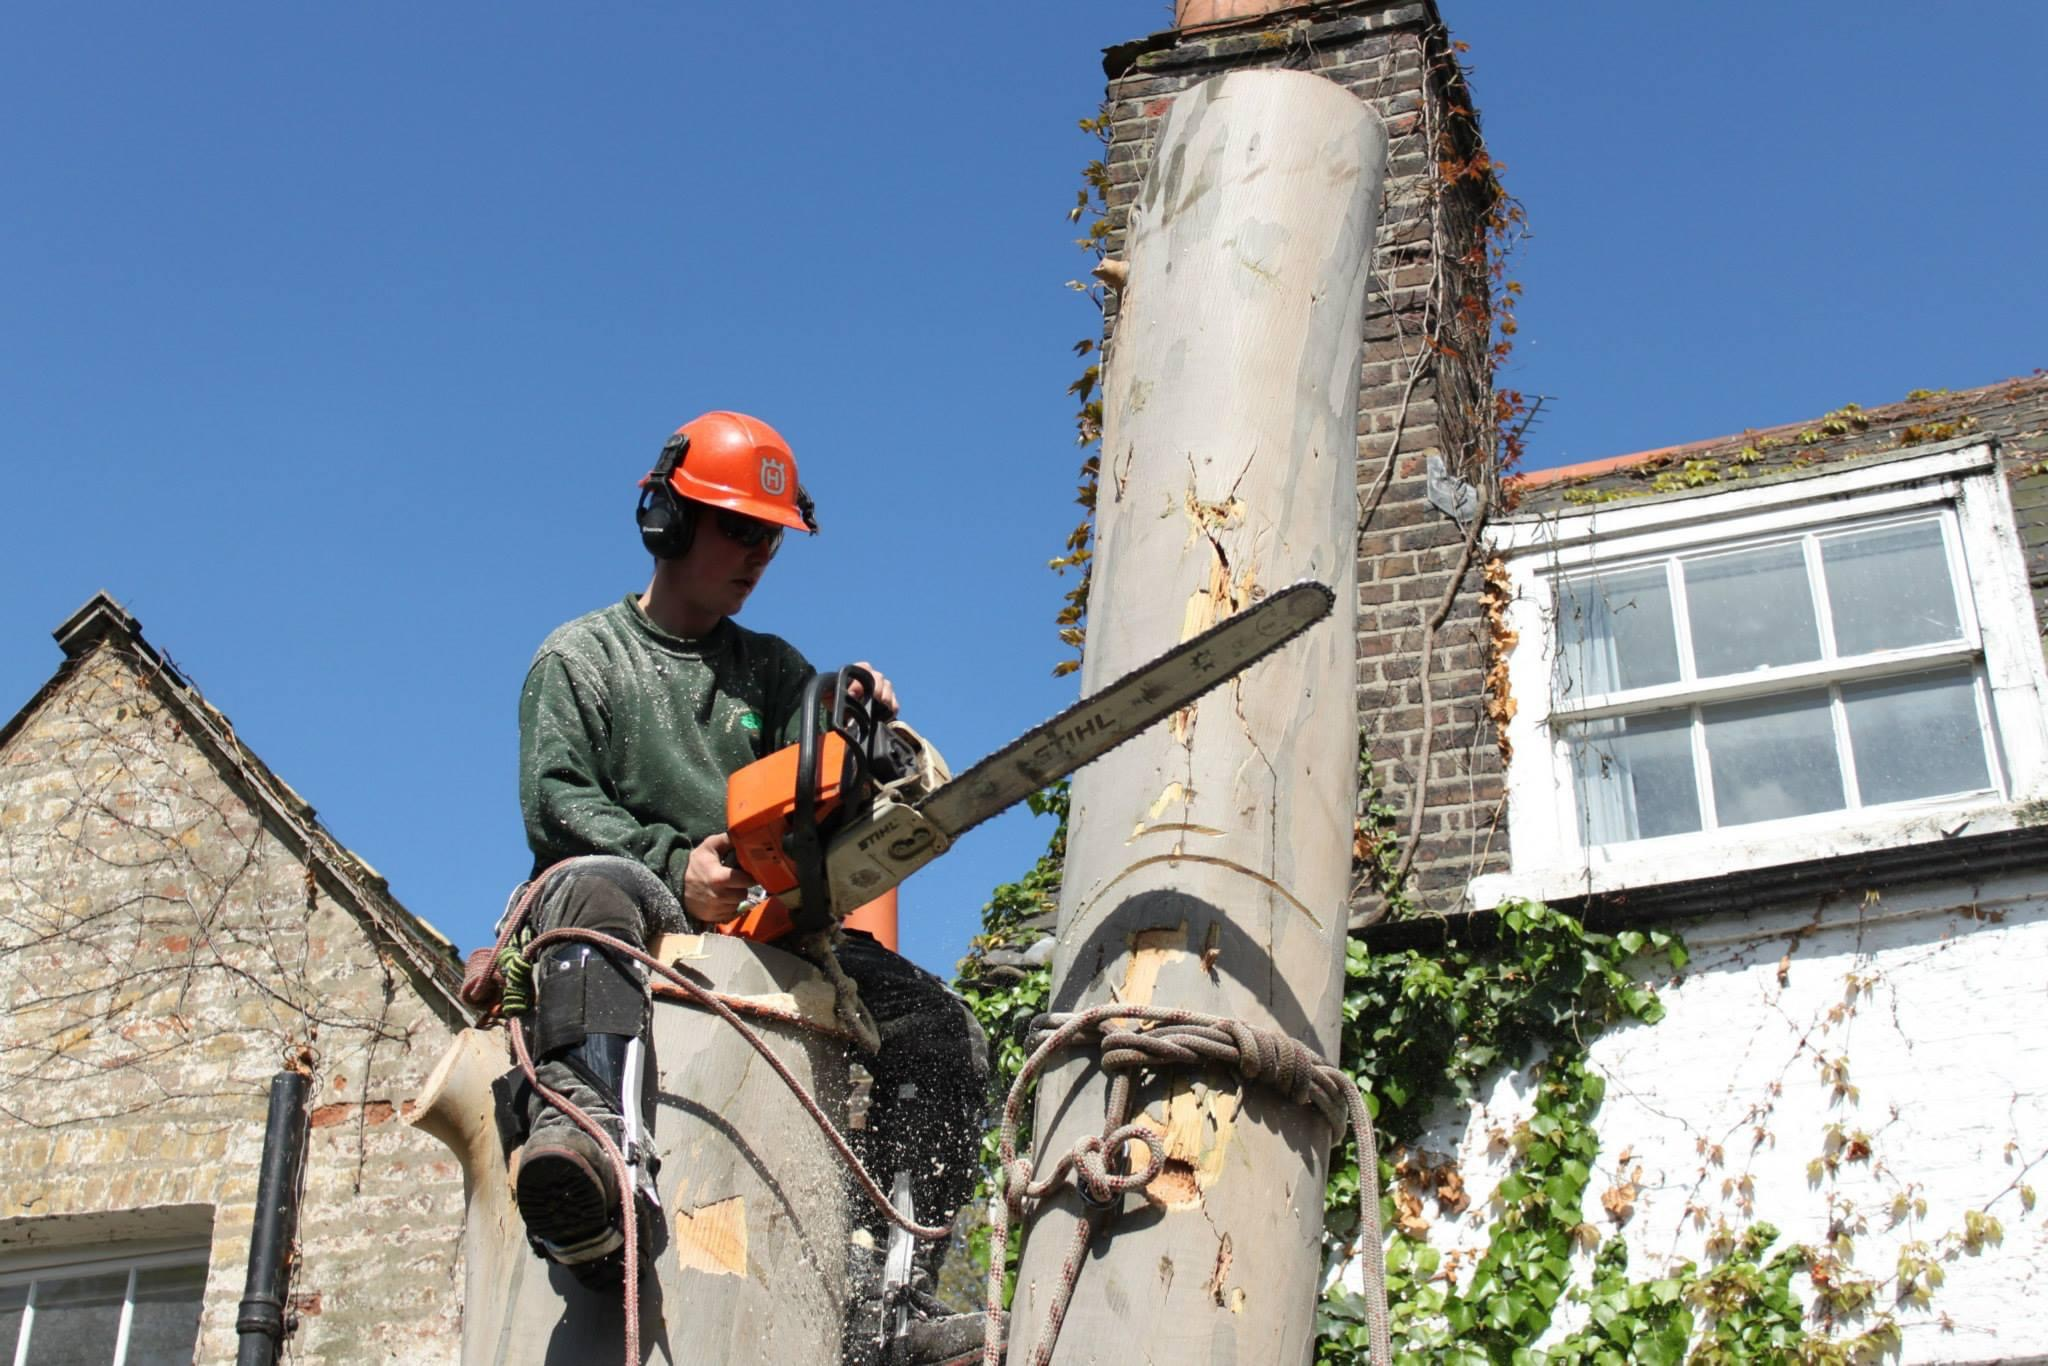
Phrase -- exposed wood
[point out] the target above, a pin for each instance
(1209, 859)
(753, 1266)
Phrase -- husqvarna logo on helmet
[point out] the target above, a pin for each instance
(774, 477)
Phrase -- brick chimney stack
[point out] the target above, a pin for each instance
(1417, 399)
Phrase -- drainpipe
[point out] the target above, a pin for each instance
(260, 1320)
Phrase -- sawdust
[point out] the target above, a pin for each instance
(679, 948)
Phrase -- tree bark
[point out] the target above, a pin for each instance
(754, 1262)
(1209, 861)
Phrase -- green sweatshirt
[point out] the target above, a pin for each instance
(627, 734)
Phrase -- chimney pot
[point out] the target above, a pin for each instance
(1194, 13)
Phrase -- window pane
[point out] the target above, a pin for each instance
(1615, 631)
(1916, 736)
(1889, 588)
(12, 1298)
(165, 1326)
(1773, 758)
(1634, 777)
(77, 1320)
(1750, 610)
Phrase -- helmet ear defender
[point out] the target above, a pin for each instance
(667, 523)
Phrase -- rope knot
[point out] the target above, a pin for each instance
(1099, 1185)
(1016, 1182)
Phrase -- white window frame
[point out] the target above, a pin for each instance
(31, 1266)
(1547, 857)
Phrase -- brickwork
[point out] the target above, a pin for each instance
(1424, 389)
(166, 944)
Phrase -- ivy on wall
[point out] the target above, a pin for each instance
(1425, 1029)
(1091, 204)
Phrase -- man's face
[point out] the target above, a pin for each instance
(720, 571)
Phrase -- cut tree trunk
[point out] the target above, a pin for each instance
(1208, 862)
(753, 1266)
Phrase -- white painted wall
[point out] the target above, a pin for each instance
(1935, 1003)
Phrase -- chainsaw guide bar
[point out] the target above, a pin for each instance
(899, 832)
(1140, 699)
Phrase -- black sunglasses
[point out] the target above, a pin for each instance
(747, 531)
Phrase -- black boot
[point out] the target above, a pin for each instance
(567, 1190)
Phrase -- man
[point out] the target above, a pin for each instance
(631, 719)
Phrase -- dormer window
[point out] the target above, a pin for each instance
(1823, 659)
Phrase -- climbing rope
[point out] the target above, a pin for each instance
(478, 987)
(1175, 1038)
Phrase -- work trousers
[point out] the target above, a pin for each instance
(930, 1093)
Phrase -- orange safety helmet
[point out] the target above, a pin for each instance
(732, 461)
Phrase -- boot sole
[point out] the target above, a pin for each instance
(562, 1198)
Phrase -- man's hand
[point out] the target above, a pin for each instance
(713, 886)
(885, 691)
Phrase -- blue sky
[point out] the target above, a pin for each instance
(332, 342)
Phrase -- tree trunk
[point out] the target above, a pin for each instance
(754, 1262)
(1209, 861)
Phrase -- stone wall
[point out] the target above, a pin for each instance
(166, 945)
(1424, 390)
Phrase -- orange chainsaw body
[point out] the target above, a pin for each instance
(760, 802)
(769, 920)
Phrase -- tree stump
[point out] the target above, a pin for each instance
(757, 1227)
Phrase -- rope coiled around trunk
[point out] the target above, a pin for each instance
(1173, 1038)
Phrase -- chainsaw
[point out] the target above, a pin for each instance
(861, 801)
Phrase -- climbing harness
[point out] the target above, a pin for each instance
(1175, 1038)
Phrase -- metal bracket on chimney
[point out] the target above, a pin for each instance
(1448, 494)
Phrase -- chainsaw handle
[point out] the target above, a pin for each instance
(803, 843)
(871, 710)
